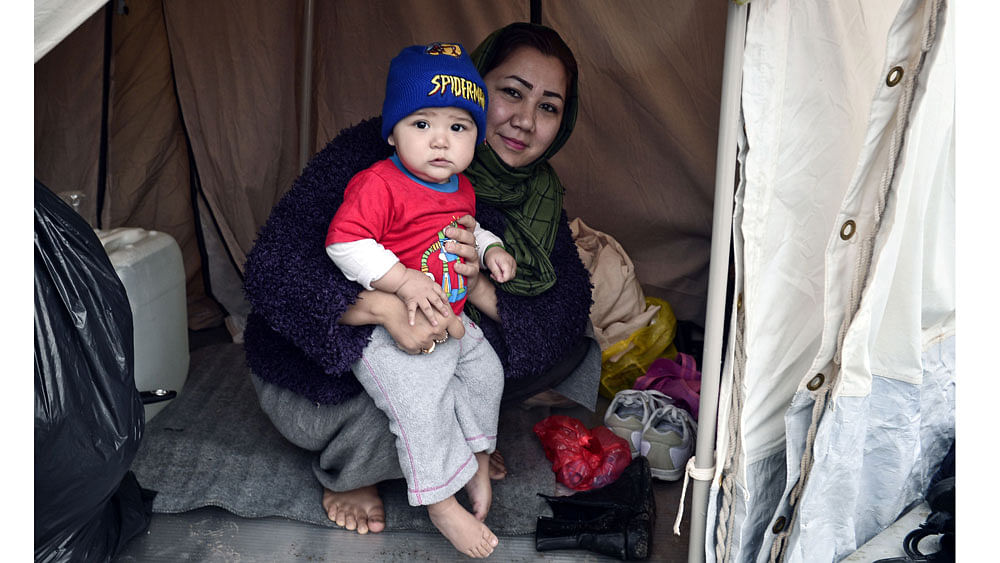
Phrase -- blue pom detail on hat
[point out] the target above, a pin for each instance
(435, 75)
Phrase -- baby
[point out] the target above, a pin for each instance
(388, 235)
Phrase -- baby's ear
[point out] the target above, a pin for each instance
(391, 140)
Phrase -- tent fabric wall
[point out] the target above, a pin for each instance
(148, 176)
(236, 74)
(150, 180)
(640, 165)
(824, 400)
(68, 114)
(356, 40)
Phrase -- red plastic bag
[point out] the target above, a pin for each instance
(582, 459)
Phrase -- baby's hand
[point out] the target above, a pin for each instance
(418, 290)
(501, 264)
(454, 328)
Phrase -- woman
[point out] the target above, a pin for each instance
(309, 324)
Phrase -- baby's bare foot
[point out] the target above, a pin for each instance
(468, 535)
(498, 470)
(359, 509)
(479, 488)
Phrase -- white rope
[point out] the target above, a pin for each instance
(727, 515)
(692, 472)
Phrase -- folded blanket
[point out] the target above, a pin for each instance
(297, 294)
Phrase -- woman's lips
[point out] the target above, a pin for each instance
(513, 144)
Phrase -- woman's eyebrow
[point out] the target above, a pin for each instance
(531, 86)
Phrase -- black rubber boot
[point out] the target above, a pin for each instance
(616, 520)
(628, 539)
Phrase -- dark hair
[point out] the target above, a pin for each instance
(544, 39)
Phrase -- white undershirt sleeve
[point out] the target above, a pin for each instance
(363, 261)
(484, 238)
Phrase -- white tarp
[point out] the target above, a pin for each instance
(827, 215)
(55, 19)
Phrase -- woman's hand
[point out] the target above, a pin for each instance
(463, 243)
(421, 336)
(381, 308)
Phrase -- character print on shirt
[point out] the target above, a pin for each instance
(436, 259)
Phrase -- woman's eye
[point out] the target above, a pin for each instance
(511, 92)
(549, 108)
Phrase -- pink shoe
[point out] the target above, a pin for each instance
(680, 381)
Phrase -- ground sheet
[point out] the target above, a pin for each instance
(213, 446)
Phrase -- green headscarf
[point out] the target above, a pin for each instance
(529, 196)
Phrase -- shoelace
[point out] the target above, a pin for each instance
(658, 399)
(672, 414)
(649, 400)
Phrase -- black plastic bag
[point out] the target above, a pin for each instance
(89, 417)
(940, 523)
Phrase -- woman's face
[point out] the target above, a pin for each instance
(527, 98)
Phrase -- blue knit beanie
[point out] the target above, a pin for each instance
(435, 75)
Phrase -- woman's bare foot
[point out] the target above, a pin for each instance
(463, 530)
(359, 509)
(479, 488)
(498, 470)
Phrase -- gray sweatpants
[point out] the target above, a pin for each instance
(354, 447)
(442, 407)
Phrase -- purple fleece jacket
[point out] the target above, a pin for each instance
(297, 294)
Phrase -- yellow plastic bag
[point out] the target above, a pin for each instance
(624, 361)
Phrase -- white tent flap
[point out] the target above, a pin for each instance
(841, 379)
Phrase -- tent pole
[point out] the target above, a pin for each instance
(718, 274)
(305, 99)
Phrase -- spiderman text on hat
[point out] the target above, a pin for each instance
(460, 87)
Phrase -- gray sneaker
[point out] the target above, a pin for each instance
(668, 441)
(630, 411)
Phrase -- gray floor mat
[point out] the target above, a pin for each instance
(213, 446)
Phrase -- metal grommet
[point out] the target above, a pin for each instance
(816, 382)
(779, 524)
(848, 229)
(894, 76)
(739, 301)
